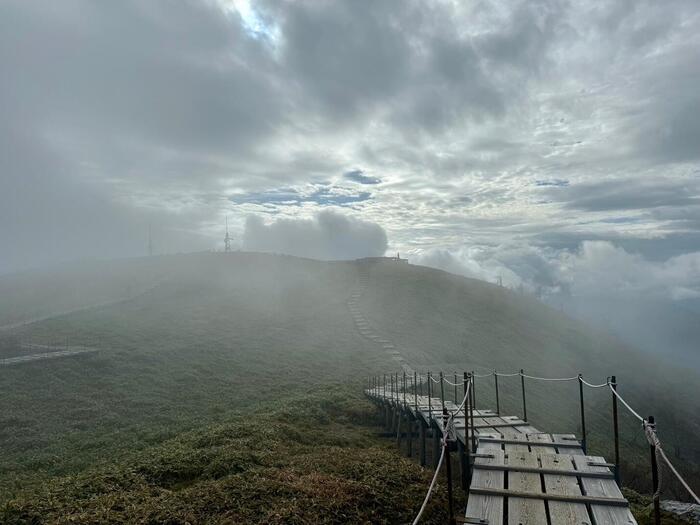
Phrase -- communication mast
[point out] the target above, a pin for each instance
(227, 239)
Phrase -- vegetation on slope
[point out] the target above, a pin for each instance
(211, 342)
(445, 322)
(311, 459)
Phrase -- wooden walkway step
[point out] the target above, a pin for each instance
(522, 476)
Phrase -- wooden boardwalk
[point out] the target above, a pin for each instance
(519, 475)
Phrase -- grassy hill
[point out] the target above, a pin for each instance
(226, 387)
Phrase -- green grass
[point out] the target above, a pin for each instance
(248, 353)
(315, 458)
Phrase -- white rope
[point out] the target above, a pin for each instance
(653, 439)
(551, 378)
(634, 413)
(448, 423)
(499, 374)
(430, 489)
(594, 386)
(678, 476)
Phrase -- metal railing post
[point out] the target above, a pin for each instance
(456, 383)
(473, 396)
(396, 386)
(522, 386)
(415, 392)
(583, 415)
(616, 431)
(654, 473)
(498, 404)
(448, 463)
(465, 450)
(442, 390)
(404, 390)
(471, 414)
(430, 399)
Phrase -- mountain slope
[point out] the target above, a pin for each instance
(200, 339)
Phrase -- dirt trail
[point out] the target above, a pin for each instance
(50, 352)
(83, 308)
(363, 325)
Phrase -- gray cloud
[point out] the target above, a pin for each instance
(360, 177)
(529, 123)
(328, 236)
(629, 194)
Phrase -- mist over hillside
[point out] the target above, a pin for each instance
(184, 340)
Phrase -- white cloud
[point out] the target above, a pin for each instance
(328, 236)
(595, 269)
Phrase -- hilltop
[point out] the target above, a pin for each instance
(195, 352)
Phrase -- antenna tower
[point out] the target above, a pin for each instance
(227, 239)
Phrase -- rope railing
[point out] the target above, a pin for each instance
(449, 423)
(658, 455)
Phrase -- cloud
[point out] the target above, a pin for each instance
(473, 263)
(323, 196)
(328, 236)
(360, 177)
(595, 269)
(630, 194)
(493, 125)
(602, 269)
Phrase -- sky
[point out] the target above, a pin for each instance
(551, 144)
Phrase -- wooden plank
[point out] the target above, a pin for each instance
(569, 446)
(542, 439)
(563, 512)
(486, 506)
(604, 488)
(578, 500)
(567, 442)
(539, 470)
(524, 511)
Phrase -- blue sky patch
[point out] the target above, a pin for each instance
(552, 182)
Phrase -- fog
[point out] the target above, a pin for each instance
(207, 201)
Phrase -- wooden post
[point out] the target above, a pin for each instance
(616, 431)
(522, 385)
(583, 415)
(654, 474)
